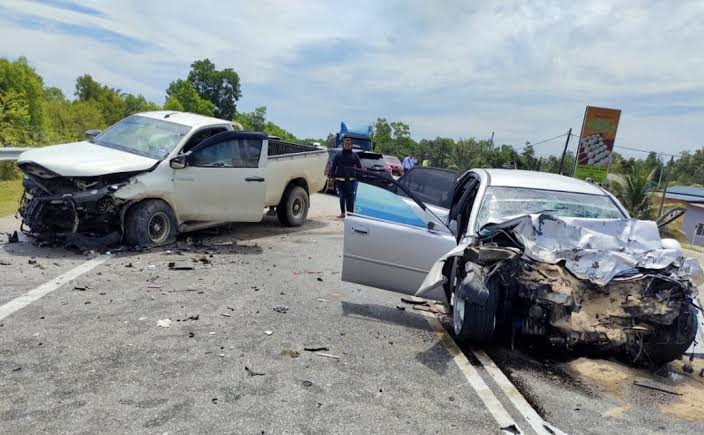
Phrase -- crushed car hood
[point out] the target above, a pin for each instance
(595, 250)
(85, 159)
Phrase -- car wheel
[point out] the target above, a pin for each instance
(669, 342)
(150, 223)
(292, 211)
(473, 310)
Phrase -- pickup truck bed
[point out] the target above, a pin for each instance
(288, 161)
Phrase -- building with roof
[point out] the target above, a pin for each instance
(693, 199)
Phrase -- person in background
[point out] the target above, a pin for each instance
(407, 164)
(426, 162)
(343, 166)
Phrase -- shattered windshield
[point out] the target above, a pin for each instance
(146, 137)
(503, 203)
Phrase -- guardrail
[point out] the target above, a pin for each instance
(10, 154)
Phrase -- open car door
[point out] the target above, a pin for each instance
(391, 241)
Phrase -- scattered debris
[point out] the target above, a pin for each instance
(280, 309)
(307, 383)
(225, 315)
(191, 334)
(129, 265)
(401, 308)
(269, 332)
(321, 300)
(211, 332)
(31, 261)
(687, 368)
(451, 398)
(193, 317)
(251, 372)
(414, 300)
(17, 369)
(291, 353)
(179, 266)
(327, 355)
(164, 323)
(13, 238)
(320, 279)
(203, 259)
(5, 263)
(657, 386)
(308, 273)
(151, 267)
(315, 348)
(214, 400)
(222, 355)
(434, 308)
(153, 286)
(81, 288)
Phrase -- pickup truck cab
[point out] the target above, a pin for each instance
(155, 174)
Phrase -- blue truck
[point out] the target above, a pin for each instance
(361, 137)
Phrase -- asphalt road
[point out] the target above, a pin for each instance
(89, 356)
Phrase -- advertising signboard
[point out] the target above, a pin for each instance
(596, 142)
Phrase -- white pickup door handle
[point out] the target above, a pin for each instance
(360, 230)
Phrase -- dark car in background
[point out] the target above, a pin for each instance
(375, 170)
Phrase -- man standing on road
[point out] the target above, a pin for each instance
(408, 162)
(343, 166)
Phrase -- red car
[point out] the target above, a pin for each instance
(393, 165)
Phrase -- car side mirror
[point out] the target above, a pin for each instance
(91, 134)
(178, 162)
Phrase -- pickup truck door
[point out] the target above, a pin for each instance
(391, 241)
(223, 179)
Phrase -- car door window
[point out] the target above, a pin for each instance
(200, 136)
(232, 153)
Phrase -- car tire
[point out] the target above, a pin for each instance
(669, 343)
(292, 211)
(473, 310)
(149, 223)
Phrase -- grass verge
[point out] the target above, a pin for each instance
(10, 193)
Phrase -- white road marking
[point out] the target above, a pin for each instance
(492, 404)
(22, 301)
(536, 422)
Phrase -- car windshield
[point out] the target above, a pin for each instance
(144, 136)
(503, 203)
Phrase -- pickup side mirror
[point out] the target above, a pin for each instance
(179, 162)
(91, 134)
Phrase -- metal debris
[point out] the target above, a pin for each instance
(414, 300)
(280, 309)
(268, 332)
(657, 386)
(225, 315)
(164, 323)
(327, 355)
(315, 348)
(179, 266)
(251, 372)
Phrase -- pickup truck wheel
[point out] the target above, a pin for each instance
(293, 208)
(150, 223)
(473, 310)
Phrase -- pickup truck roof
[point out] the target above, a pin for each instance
(189, 119)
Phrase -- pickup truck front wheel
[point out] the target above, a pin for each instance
(292, 211)
(150, 223)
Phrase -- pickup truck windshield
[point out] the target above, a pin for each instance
(144, 136)
(503, 203)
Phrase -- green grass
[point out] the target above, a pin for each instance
(10, 193)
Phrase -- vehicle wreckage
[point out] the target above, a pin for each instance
(153, 175)
(560, 261)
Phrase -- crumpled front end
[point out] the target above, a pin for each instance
(72, 211)
(608, 286)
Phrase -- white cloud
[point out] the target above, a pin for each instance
(523, 70)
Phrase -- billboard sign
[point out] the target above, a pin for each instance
(596, 142)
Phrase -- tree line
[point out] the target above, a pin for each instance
(32, 114)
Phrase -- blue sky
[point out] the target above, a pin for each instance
(452, 68)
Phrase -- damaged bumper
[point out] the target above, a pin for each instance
(70, 211)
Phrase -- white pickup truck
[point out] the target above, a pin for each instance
(153, 175)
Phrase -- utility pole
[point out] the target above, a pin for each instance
(562, 160)
(491, 141)
(667, 180)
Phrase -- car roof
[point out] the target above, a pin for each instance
(184, 118)
(539, 180)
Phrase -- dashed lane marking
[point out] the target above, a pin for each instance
(31, 296)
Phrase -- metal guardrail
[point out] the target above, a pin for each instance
(10, 154)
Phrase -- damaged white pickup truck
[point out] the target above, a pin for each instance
(153, 175)
(529, 255)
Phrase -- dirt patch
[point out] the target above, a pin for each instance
(691, 386)
(616, 381)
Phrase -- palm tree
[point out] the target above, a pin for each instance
(633, 193)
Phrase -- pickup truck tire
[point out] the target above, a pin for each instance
(150, 223)
(292, 211)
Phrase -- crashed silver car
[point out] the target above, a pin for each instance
(527, 255)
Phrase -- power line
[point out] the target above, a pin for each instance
(635, 149)
(542, 141)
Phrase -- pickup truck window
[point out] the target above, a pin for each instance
(239, 153)
(144, 136)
